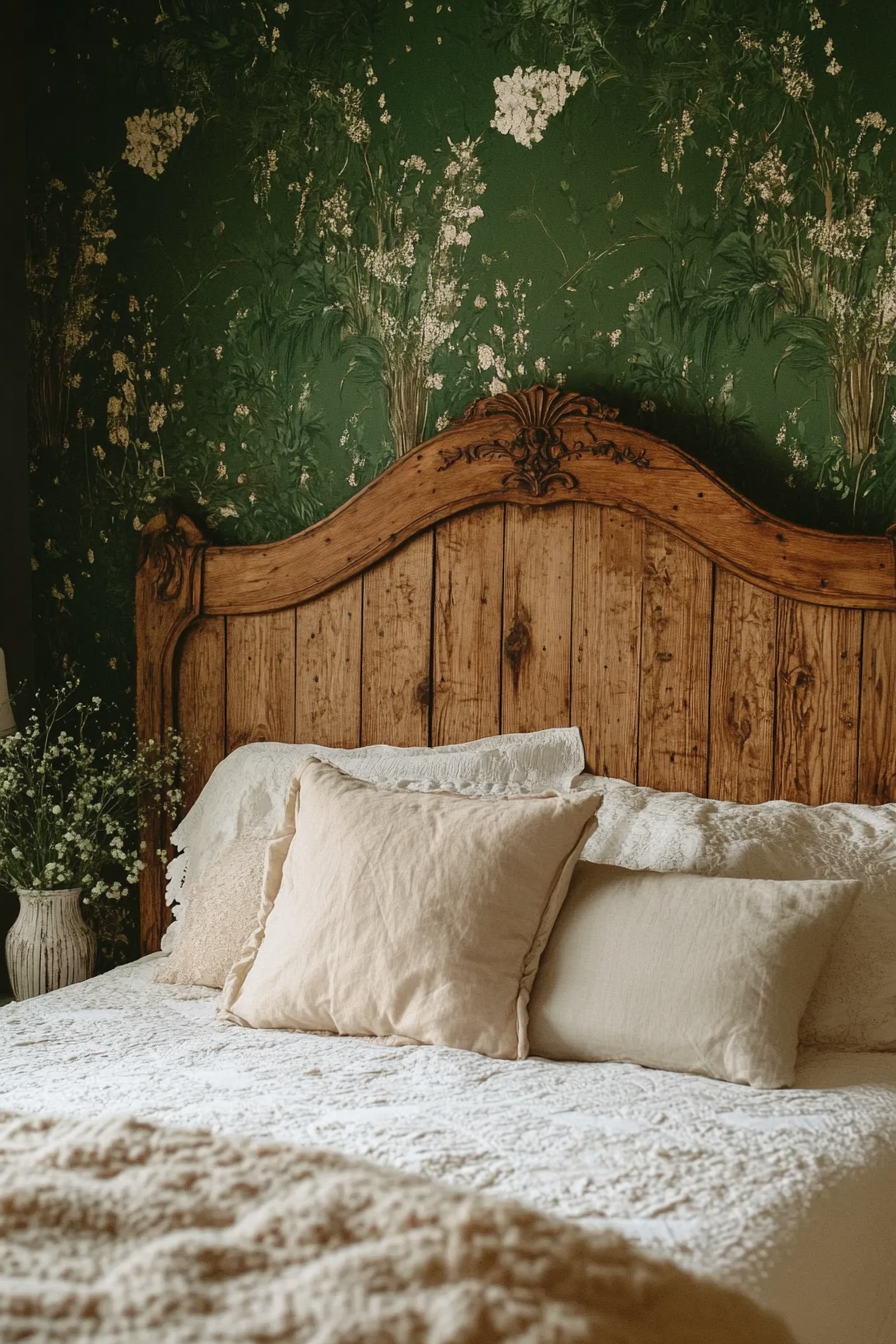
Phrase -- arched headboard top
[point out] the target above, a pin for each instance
(536, 565)
(543, 446)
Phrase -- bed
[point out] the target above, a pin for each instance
(536, 566)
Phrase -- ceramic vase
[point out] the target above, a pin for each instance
(49, 945)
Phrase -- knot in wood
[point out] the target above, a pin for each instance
(517, 643)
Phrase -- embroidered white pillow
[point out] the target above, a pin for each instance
(706, 975)
(853, 1006)
(222, 913)
(412, 915)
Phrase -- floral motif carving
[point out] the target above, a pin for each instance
(555, 428)
(167, 542)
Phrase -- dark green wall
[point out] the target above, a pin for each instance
(15, 548)
(16, 636)
(213, 355)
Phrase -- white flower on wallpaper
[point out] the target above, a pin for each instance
(526, 100)
(153, 137)
(402, 294)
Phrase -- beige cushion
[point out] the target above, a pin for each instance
(704, 975)
(412, 915)
(853, 1005)
(222, 913)
(226, 832)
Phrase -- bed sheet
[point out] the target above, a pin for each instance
(788, 1195)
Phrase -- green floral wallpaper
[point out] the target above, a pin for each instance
(272, 245)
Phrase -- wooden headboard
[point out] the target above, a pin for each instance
(537, 564)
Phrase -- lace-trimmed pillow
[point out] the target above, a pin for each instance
(222, 913)
(226, 832)
(853, 1006)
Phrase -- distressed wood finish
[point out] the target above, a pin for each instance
(877, 721)
(201, 700)
(531, 448)
(537, 564)
(467, 626)
(261, 678)
(819, 668)
(606, 621)
(537, 618)
(742, 708)
(328, 668)
(168, 598)
(396, 688)
(676, 633)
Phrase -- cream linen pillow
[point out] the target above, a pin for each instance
(853, 1005)
(706, 975)
(215, 884)
(416, 915)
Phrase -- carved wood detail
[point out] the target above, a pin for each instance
(555, 428)
(698, 642)
(677, 493)
(169, 583)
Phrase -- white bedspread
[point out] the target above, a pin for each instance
(788, 1195)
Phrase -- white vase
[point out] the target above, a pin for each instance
(49, 945)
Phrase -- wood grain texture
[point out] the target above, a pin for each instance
(201, 701)
(742, 703)
(606, 626)
(261, 678)
(467, 626)
(396, 647)
(675, 661)
(476, 462)
(601, 613)
(877, 725)
(328, 668)
(819, 657)
(168, 594)
(535, 685)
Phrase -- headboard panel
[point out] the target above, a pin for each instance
(565, 577)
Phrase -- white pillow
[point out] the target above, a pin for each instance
(853, 1006)
(222, 913)
(244, 796)
(706, 975)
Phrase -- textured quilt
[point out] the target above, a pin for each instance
(116, 1230)
(753, 1189)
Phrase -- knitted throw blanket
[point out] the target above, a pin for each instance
(114, 1231)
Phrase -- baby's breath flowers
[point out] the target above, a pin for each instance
(393, 244)
(526, 100)
(153, 136)
(73, 796)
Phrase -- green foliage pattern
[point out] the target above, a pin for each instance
(272, 245)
